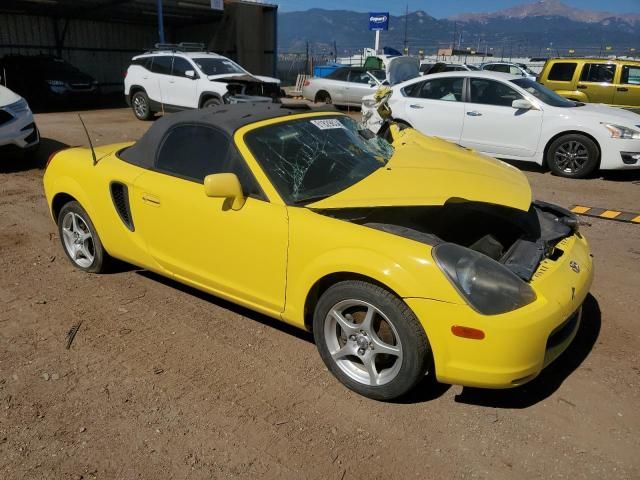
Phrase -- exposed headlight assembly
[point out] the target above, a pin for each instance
(488, 286)
(625, 133)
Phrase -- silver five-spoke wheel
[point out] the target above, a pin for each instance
(78, 240)
(363, 342)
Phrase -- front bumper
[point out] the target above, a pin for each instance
(21, 132)
(617, 154)
(518, 344)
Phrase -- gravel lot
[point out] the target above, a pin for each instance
(165, 382)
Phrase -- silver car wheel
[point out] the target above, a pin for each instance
(571, 157)
(363, 342)
(77, 239)
(140, 106)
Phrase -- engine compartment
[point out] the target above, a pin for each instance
(248, 86)
(517, 239)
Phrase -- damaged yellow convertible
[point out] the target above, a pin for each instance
(404, 258)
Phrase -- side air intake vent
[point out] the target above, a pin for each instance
(120, 197)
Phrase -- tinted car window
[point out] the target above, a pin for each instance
(598, 72)
(490, 92)
(448, 89)
(144, 62)
(630, 75)
(359, 76)
(339, 74)
(161, 64)
(499, 68)
(562, 72)
(180, 65)
(513, 70)
(194, 151)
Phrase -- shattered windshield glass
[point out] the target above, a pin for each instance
(314, 158)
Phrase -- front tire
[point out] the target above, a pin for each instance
(80, 239)
(211, 102)
(370, 340)
(141, 106)
(572, 156)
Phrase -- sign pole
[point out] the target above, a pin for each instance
(377, 41)
(160, 22)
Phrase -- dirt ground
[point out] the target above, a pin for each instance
(164, 382)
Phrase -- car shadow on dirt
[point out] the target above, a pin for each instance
(36, 159)
(552, 377)
(237, 309)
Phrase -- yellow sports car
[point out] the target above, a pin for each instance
(403, 258)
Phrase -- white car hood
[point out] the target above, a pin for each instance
(400, 69)
(606, 114)
(7, 97)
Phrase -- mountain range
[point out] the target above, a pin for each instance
(522, 30)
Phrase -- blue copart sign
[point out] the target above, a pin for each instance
(379, 21)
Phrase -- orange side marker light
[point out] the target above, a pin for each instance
(467, 332)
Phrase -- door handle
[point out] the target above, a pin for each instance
(581, 87)
(474, 114)
(413, 105)
(150, 199)
(622, 89)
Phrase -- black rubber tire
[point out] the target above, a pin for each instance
(101, 259)
(589, 166)
(323, 97)
(417, 358)
(211, 102)
(141, 96)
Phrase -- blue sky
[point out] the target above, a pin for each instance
(441, 9)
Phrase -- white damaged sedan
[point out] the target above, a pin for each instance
(511, 117)
(17, 127)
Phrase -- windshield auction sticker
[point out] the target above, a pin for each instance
(328, 124)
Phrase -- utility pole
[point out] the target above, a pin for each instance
(160, 22)
(406, 19)
(335, 51)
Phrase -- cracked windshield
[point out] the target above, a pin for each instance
(314, 158)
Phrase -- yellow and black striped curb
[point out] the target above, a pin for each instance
(617, 215)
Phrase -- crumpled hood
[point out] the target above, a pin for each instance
(242, 77)
(428, 171)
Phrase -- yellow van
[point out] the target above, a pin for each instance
(614, 82)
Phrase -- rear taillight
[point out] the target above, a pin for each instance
(306, 83)
(125, 73)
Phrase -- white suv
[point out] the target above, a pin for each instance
(17, 128)
(169, 79)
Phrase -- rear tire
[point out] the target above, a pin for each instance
(572, 156)
(323, 97)
(80, 240)
(141, 106)
(370, 340)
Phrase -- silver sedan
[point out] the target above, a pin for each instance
(344, 86)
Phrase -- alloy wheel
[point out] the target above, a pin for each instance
(571, 156)
(363, 342)
(78, 240)
(140, 106)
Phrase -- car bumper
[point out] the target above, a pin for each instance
(20, 133)
(617, 154)
(518, 344)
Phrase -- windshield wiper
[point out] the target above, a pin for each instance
(306, 200)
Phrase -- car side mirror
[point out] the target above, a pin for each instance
(522, 104)
(190, 74)
(227, 186)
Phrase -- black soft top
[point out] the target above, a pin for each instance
(228, 118)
